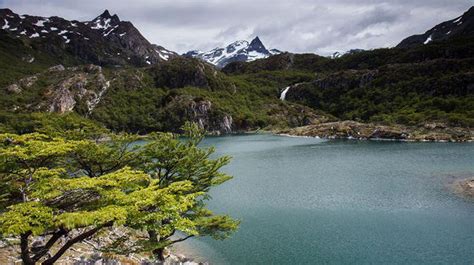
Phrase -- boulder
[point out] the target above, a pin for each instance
(57, 68)
(13, 88)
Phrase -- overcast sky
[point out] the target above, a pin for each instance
(318, 26)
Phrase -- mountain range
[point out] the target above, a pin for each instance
(105, 40)
(239, 51)
(104, 70)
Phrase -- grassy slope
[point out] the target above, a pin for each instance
(14, 55)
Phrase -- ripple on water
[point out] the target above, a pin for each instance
(307, 200)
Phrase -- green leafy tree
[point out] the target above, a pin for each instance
(98, 158)
(56, 188)
(169, 159)
(42, 197)
(67, 125)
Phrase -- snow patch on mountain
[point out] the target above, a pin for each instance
(340, 54)
(239, 51)
(462, 26)
(6, 26)
(428, 40)
(103, 40)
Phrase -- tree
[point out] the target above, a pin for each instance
(169, 159)
(44, 199)
(56, 188)
(66, 125)
(98, 158)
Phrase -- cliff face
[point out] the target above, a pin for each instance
(202, 113)
(62, 90)
(66, 94)
(176, 110)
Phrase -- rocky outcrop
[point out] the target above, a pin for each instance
(465, 187)
(28, 81)
(214, 122)
(87, 85)
(200, 112)
(67, 87)
(13, 88)
(364, 131)
(88, 253)
(62, 99)
(225, 126)
(179, 109)
(56, 68)
(23, 83)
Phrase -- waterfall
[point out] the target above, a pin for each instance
(283, 94)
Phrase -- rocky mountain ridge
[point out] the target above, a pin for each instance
(105, 40)
(239, 51)
(462, 26)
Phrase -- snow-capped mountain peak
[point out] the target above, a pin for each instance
(105, 21)
(241, 50)
(105, 40)
(257, 46)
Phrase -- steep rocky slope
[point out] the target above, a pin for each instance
(106, 40)
(462, 26)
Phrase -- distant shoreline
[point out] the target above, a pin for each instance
(371, 139)
(352, 130)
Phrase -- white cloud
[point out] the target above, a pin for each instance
(299, 26)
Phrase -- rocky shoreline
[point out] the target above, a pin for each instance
(84, 254)
(465, 187)
(430, 132)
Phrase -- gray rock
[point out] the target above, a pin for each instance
(57, 68)
(63, 100)
(13, 88)
(28, 81)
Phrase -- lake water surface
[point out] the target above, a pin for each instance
(313, 201)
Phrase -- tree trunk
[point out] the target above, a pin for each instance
(73, 241)
(25, 249)
(159, 254)
(45, 249)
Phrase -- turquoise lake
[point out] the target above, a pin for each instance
(314, 201)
